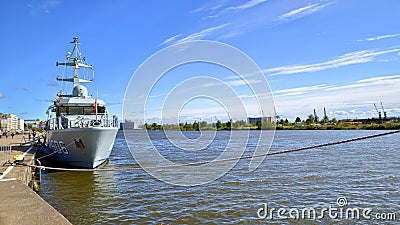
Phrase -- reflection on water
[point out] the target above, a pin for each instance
(366, 173)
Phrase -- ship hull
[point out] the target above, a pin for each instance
(82, 147)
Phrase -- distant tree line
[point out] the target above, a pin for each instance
(309, 121)
(204, 125)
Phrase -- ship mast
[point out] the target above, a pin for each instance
(74, 59)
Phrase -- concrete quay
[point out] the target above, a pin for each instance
(19, 204)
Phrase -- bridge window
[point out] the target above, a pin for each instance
(75, 110)
(79, 110)
(101, 109)
(62, 110)
(88, 110)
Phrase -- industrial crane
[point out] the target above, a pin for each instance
(316, 118)
(379, 113)
(384, 113)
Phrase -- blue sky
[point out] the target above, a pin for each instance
(340, 54)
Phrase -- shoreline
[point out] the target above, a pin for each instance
(343, 126)
(339, 126)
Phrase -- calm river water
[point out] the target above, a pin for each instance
(363, 174)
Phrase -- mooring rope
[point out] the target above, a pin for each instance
(42, 157)
(225, 160)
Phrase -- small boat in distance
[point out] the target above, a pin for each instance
(80, 132)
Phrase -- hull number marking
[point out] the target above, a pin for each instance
(58, 147)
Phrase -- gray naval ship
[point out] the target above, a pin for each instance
(80, 133)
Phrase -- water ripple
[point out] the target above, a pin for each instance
(366, 173)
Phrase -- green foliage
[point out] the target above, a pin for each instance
(188, 126)
(203, 124)
(325, 120)
(195, 126)
(229, 125)
(36, 129)
(218, 125)
(259, 125)
(310, 119)
(309, 124)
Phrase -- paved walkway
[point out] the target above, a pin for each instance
(19, 204)
(18, 139)
(16, 150)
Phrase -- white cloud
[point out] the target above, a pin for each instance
(202, 33)
(44, 6)
(247, 5)
(241, 82)
(218, 9)
(171, 39)
(302, 89)
(291, 93)
(238, 8)
(2, 95)
(340, 112)
(352, 111)
(209, 6)
(382, 37)
(375, 81)
(357, 57)
(353, 100)
(378, 78)
(246, 96)
(301, 12)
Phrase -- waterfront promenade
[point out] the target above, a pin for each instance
(18, 139)
(17, 172)
(19, 204)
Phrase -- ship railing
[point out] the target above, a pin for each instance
(63, 122)
(54, 123)
(103, 121)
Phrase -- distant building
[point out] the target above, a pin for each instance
(21, 124)
(11, 122)
(128, 125)
(3, 126)
(254, 120)
(260, 119)
(269, 119)
(33, 123)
